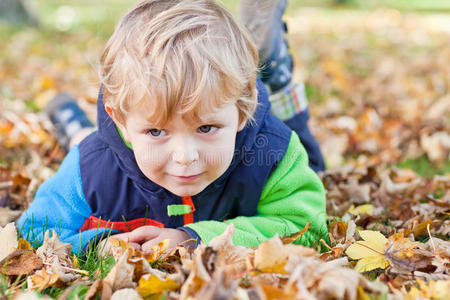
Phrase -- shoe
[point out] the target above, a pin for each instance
(263, 18)
(68, 118)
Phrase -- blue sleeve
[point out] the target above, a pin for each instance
(60, 205)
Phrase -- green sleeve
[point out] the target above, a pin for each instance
(293, 195)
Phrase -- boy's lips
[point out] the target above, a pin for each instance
(187, 178)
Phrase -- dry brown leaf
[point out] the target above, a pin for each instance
(57, 257)
(29, 295)
(128, 294)
(21, 262)
(289, 239)
(96, 287)
(314, 279)
(436, 290)
(233, 257)
(8, 215)
(8, 236)
(121, 275)
(42, 280)
(272, 255)
(406, 256)
(221, 286)
(437, 146)
(199, 272)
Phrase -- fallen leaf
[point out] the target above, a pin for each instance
(315, 279)
(272, 255)
(121, 275)
(57, 257)
(289, 239)
(8, 236)
(29, 295)
(8, 215)
(221, 286)
(94, 289)
(370, 252)
(361, 209)
(274, 292)
(24, 245)
(157, 251)
(20, 262)
(152, 284)
(436, 290)
(42, 280)
(128, 294)
(228, 255)
(406, 256)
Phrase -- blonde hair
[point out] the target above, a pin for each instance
(179, 54)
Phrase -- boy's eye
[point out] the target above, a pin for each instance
(207, 128)
(157, 132)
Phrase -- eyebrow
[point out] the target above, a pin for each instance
(209, 120)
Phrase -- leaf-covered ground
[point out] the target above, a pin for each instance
(379, 86)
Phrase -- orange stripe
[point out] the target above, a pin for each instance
(188, 218)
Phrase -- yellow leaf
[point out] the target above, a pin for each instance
(361, 294)
(371, 263)
(375, 238)
(361, 249)
(24, 245)
(154, 285)
(369, 252)
(162, 246)
(120, 243)
(438, 290)
(362, 209)
(76, 264)
(158, 251)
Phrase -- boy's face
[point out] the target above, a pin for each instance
(184, 156)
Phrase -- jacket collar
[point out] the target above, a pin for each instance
(245, 140)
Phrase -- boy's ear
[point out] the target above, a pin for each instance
(119, 124)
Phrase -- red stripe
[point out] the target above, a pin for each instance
(188, 218)
(295, 100)
(93, 223)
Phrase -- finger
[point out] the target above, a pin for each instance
(121, 236)
(147, 246)
(144, 233)
(135, 246)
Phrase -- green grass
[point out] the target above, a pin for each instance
(406, 5)
(424, 167)
(100, 16)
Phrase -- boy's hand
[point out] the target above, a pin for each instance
(149, 236)
(105, 246)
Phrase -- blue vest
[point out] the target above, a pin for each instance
(117, 190)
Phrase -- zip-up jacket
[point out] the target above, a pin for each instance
(268, 189)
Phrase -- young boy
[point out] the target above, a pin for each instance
(185, 145)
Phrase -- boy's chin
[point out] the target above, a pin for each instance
(185, 191)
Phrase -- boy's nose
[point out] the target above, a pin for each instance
(185, 153)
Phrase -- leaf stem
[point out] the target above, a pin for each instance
(370, 248)
(71, 270)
